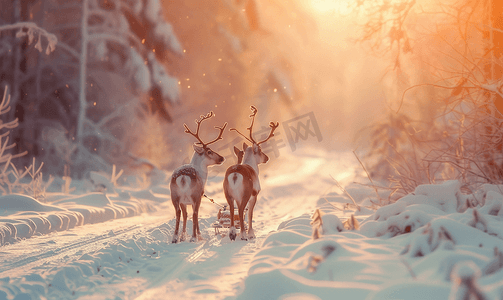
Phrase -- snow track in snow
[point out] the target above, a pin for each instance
(125, 257)
(56, 252)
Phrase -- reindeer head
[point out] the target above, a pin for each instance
(255, 149)
(209, 157)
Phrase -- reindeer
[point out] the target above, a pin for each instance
(241, 183)
(188, 181)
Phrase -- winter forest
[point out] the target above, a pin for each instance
(360, 156)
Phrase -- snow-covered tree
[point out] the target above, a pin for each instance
(76, 105)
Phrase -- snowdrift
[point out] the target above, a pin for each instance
(434, 243)
(22, 216)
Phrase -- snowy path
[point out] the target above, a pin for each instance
(133, 257)
(218, 266)
(53, 248)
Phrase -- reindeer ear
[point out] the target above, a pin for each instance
(199, 150)
(244, 146)
(236, 151)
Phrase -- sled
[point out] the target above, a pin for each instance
(224, 217)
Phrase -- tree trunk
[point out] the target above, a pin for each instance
(83, 74)
(16, 5)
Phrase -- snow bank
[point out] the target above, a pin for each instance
(434, 243)
(22, 216)
(79, 266)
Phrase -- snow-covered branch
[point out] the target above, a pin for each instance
(31, 31)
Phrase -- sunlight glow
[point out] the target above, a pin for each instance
(331, 6)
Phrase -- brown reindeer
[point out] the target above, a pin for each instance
(241, 183)
(188, 181)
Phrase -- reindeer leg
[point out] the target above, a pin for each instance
(197, 210)
(232, 229)
(241, 210)
(199, 237)
(251, 205)
(195, 220)
(177, 224)
(184, 227)
(197, 229)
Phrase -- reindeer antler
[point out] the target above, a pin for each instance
(219, 137)
(198, 122)
(254, 113)
(251, 139)
(271, 133)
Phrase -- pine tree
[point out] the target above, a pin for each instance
(105, 74)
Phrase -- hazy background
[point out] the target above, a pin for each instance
(126, 75)
(304, 49)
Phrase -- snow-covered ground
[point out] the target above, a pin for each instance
(434, 244)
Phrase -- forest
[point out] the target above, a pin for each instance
(96, 83)
(389, 113)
